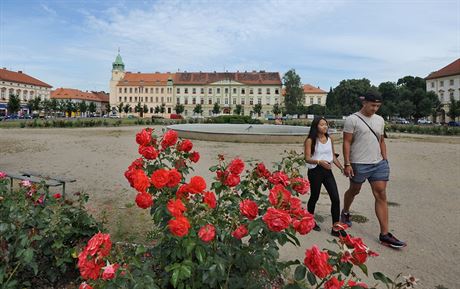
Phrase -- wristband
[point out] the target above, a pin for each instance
(347, 165)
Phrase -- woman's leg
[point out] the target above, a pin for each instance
(331, 187)
(315, 178)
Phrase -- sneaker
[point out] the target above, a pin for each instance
(339, 233)
(391, 241)
(316, 227)
(345, 218)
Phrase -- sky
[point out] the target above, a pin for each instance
(72, 43)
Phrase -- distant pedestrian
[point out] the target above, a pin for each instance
(319, 155)
(365, 157)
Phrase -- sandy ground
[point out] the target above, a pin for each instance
(424, 191)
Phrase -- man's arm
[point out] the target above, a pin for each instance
(347, 139)
(383, 147)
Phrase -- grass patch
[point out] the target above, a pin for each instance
(393, 204)
(359, 219)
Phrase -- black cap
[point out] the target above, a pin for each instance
(373, 96)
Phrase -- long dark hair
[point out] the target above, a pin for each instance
(313, 134)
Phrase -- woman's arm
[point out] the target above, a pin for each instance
(307, 152)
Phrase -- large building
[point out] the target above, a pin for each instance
(227, 89)
(99, 98)
(314, 95)
(22, 85)
(446, 84)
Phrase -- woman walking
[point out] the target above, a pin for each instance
(319, 155)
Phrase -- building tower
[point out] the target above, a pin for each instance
(118, 72)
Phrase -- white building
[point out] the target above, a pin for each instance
(314, 95)
(446, 84)
(22, 85)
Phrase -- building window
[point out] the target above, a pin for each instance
(218, 101)
(210, 91)
(125, 99)
(451, 94)
(259, 100)
(318, 100)
(130, 99)
(126, 90)
(119, 90)
(156, 99)
(277, 91)
(243, 91)
(169, 110)
(201, 100)
(442, 96)
(441, 83)
(119, 99)
(234, 100)
(151, 89)
(242, 101)
(251, 101)
(135, 90)
(178, 90)
(185, 112)
(267, 100)
(202, 90)
(151, 99)
(259, 91)
(162, 99)
(226, 100)
(451, 82)
(209, 100)
(141, 99)
(185, 90)
(226, 90)
(186, 100)
(162, 90)
(135, 98)
(251, 91)
(234, 90)
(178, 100)
(151, 110)
(218, 90)
(130, 90)
(311, 100)
(157, 89)
(194, 90)
(193, 100)
(268, 90)
(432, 84)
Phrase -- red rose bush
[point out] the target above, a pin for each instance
(223, 234)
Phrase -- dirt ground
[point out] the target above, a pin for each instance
(423, 193)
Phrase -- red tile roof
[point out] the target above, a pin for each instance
(20, 77)
(251, 78)
(307, 88)
(451, 69)
(70, 93)
(145, 79)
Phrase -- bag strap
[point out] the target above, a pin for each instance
(378, 139)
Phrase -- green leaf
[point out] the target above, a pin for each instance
(140, 250)
(189, 246)
(300, 272)
(213, 168)
(346, 268)
(200, 253)
(381, 277)
(175, 277)
(185, 271)
(363, 268)
(28, 255)
(311, 278)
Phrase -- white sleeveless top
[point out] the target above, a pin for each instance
(322, 152)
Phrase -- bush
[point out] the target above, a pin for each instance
(39, 233)
(236, 119)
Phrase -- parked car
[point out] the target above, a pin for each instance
(424, 121)
(12, 116)
(114, 116)
(401, 120)
(453, 123)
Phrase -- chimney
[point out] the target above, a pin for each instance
(19, 71)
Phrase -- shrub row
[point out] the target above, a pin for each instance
(417, 129)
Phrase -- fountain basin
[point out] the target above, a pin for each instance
(246, 133)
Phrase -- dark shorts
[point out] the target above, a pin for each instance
(371, 172)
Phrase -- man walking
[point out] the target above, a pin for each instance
(365, 157)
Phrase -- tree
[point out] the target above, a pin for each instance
(54, 105)
(216, 108)
(107, 108)
(294, 91)
(139, 109)
(406, 108)
(238, 109)
(179, 108)
(157, 109)
(46, 105)
(163, 108)
(276, 109)
(14, 104)
(198, 109)
(83, 107)
(344, 98)
(69, 107)
(257, 109)
(120, 108)
(127, 108)
(316, 109)
(454, 108)
(145, 108)
(413, 89)
(92, 107)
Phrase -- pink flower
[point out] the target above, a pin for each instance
(2, 175)
(85, 285)
(25, 184)
(109, 271)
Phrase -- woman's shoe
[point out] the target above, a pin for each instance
(339, 233)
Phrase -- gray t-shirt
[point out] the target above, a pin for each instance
(365, 148)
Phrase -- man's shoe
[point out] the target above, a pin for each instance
(339, 233)
(316, 227)
(391, 241)
(345, 218)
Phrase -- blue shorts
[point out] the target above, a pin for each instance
(372, 172)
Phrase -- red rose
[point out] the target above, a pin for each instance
(179, 226)
(249, 209)
(333, 283)
(236, 167)
(295, 205)
(316, 262)
(240, 232)
(148, 152)
(277, 220)
(144, 200)
(207, 233)
(85, 285)
(185, 146)
(89, 269)
(169, 139)
(137, 164)
(352, 283)
(262, 171)
(174, 178)
(210, 199)
(138, 180)
(57, 196)
(232, 180)
(279, 196)
(182, 192)
(144, 137)
(300, 185)
(176, 207)
(360, 250)
(304, 225)
(160, 178)
(197, 185)
(194, 157)
(109, 271)
(279, 178)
